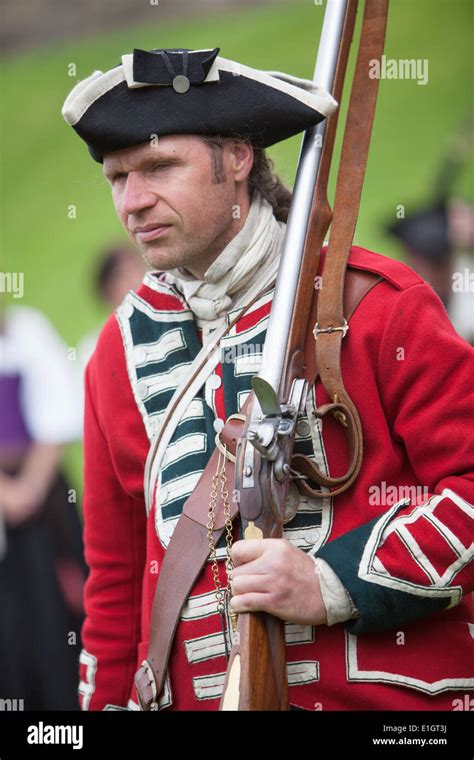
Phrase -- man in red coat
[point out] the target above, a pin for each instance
(373, 584)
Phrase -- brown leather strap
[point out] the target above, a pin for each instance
(185, 557)
(188, 549)
(330, 327)
(358, 284)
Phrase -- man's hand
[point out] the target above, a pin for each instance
(271, 575)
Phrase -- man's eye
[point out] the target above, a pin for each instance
(155, 167)
(119, 177)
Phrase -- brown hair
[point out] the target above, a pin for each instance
(261, 177)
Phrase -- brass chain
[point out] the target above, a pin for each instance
(210, 537)
(229, 539)
(222, 595)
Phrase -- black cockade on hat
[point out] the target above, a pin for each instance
(173, 67)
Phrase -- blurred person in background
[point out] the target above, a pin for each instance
(42, 571)
(438, 240)
(438, 244)
(118, 271)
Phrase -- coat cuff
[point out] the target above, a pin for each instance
(381, 605)
(337, 601)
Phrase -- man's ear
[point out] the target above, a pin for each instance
(242, 160)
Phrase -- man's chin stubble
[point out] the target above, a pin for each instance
(159, 258)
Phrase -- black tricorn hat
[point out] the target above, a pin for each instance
(179, 91)
(426, 232)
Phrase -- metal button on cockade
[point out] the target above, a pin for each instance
(181, 83)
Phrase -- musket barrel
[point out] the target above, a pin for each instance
(293, 245)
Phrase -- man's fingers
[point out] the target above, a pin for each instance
(245, 584)
(253, 602)
(256, 567)
(247, 550)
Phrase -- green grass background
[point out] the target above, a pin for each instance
(46, 168)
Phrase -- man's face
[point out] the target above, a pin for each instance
(172, 205)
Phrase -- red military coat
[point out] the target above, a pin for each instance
(400, 539)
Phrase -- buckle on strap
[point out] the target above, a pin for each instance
(150, 703)
(222, 446)
(331, 329)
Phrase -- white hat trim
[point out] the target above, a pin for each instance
(85, 93)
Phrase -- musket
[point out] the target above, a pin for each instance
(256, 677)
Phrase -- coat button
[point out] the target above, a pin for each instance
(303, 428)
(126, 310)
(312, 535)
(143, 389)
(218, 424)
(215, 382)
(140, 355)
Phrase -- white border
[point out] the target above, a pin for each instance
(382, 676)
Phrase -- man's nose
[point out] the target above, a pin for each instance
(136, 195)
